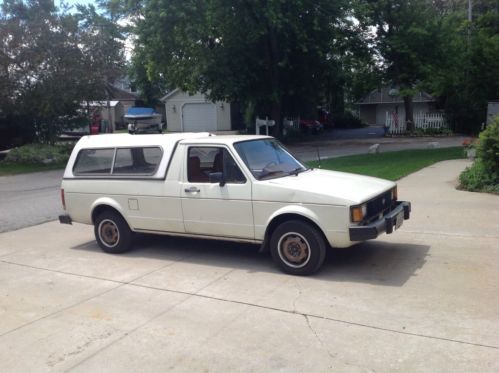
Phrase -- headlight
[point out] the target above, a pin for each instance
(357, 213)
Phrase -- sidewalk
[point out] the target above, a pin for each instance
(308, 151)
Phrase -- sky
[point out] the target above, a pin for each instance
(74, 2)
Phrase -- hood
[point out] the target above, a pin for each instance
(329, 187)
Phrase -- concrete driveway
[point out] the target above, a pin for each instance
(422, 299)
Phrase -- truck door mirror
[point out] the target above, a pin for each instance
(217, 177)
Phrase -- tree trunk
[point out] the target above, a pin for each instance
(274, 82)
(276, 116)
(409, 113)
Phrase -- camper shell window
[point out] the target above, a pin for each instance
(133, 161)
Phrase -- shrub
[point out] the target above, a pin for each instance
(488, 149)
(483, 175)
(477, 179)
(40, 154)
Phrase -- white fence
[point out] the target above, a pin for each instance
(396, 123)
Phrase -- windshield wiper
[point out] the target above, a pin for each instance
(271, 173)
(297, 170)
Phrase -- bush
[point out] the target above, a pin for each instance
(39, 154)
(347, 120)
(477, 179)
(488, 149)
(483, 175)
(15, 131)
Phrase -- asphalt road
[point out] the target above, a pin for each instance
(29, 199)
(423, 299)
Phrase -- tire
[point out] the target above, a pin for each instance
(298, 248)
(112, 233)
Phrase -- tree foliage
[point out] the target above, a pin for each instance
(284, 57)
(468, 75)
(408, 40)
(50, 61)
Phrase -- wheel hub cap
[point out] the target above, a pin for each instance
(109, 233)
(294, 249)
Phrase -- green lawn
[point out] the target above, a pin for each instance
(24, 168)
(390, 165)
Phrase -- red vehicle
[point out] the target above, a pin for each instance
(325, 118)
(310, 126)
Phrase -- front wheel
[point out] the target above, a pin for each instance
(112, 233)
(298, 248)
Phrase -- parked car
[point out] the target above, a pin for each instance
(236, 188)
(325, 118)
(142, 119)
(311, 126)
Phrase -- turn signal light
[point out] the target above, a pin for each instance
(358, 213)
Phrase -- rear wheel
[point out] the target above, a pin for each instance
(112, 232)
(298, 247)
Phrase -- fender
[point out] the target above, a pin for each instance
(108, 201)
(297, 210)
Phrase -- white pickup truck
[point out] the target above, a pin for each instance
(238, 188)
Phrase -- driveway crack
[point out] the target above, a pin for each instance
(323, 345)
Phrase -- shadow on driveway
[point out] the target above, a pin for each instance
(375, 262)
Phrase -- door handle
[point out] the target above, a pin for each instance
(192, 189)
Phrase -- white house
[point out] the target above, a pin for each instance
(195, 113)
(373, 107)
(492, 111)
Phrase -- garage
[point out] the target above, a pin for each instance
(198, 117)
(195, 113)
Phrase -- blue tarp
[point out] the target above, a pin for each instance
(140, 112)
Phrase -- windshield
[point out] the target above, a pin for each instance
(267, 159)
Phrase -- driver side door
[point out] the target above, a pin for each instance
(215, 208)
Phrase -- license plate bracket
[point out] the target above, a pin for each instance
(399, 219)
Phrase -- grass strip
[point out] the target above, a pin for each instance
(8, 168)
(390, 165)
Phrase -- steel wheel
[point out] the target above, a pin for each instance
(294, 250)
(112, 232)
(109, 233)
(298, 247)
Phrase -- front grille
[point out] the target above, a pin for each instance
(378, 205)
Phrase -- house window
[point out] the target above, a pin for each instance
(205, 160)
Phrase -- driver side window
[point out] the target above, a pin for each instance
(202, 161)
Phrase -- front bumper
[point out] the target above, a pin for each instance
(388, 223)
(65, 219)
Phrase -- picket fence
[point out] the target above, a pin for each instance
(396, 123)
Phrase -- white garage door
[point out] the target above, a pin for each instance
(199, 117)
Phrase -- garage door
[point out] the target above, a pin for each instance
(199, 117)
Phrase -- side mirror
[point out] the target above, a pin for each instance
(217, 177)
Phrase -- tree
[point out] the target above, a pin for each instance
(467, 77)
(408, 39)
(51, 61)
(280, 56)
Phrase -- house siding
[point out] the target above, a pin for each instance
(381, 109)
(175, 103)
